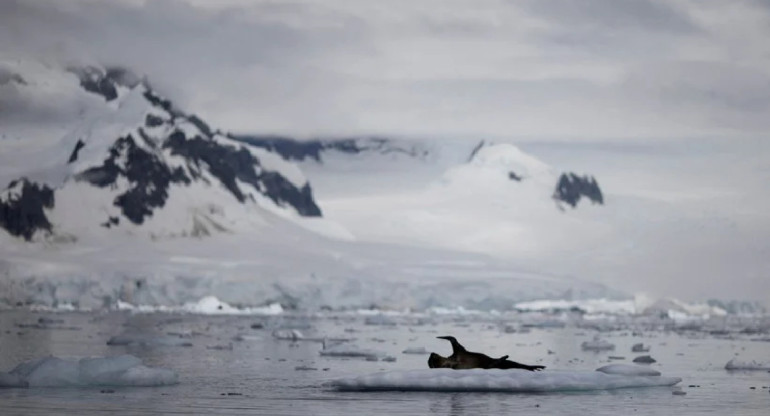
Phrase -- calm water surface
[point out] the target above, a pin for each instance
(260, 374)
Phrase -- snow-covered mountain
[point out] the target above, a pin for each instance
(111, 194)
(129, 160)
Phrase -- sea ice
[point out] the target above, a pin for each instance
(640, 348)
(597, 345)
(735, 364)
(124, 370)
(628, 370)
(447, 380)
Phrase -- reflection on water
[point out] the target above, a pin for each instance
(259, 374)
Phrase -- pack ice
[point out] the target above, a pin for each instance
(510, 381)
(124, 370)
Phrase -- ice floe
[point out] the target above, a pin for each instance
(640, 348)
(628, 370)
(736, 364)
(446, 380)
(597, 344)
(124, 370)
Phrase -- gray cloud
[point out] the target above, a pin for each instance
(492, 67)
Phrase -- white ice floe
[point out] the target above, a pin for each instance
(446, 380)
(628, 370)
(415, 350)
(124, 370)
(597, 345)
(736, 364)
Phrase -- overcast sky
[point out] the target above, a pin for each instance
(620, 79)
(562, 69)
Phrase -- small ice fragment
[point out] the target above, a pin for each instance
(640, 348)
(597, 344)
(288, 334)
(415, 350)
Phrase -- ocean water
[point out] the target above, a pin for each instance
(236, 365)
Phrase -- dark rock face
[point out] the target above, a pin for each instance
(152, 121)
(22, 215)
(105, 82)
(74, 155)
(94, 80)
(229, 164)
(149, 178)
(572, 187)
(292, 149)
(288, 148)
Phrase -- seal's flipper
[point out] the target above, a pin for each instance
(456, 347)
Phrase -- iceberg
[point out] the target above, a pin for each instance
(124, 370)
(509, 381)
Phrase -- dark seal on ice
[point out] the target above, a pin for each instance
(462, 359)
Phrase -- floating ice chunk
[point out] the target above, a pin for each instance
(597, 345)
(640, 348)
(415, 350)
(644, 359)
(628, 370)
(124, 370)
(351, 350)
(148, 340)
(447, 380)
(736, 364)
(288, 334)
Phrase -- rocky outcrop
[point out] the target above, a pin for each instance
(22, 208)
(571, 188)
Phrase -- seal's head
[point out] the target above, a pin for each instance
(437, 361)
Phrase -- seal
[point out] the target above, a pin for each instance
(462, 359)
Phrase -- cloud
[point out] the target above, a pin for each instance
(589, 69)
